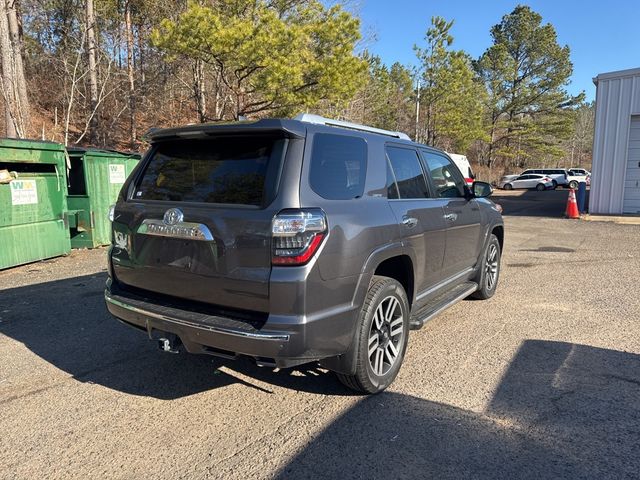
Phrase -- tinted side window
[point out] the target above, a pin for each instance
(446, 178)
(338, 166)
(408, 172)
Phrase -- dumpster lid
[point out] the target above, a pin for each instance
(30, 144)
(101, 152)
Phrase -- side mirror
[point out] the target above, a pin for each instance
(482, 189)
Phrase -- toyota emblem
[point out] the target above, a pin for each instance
(173, 216)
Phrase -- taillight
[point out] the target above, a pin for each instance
(297, 235)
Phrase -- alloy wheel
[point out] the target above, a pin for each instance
(491, 266)
(386, 335)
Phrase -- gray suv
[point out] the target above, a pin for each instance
(294, 241)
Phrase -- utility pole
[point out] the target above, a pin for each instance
(417, 110)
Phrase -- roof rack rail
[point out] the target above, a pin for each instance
(318, 120)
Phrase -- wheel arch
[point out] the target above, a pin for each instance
(400, 268)
(498, 231)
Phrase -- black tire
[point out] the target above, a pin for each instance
(365, 379)
(540, 187)
(508, 186)
(487, 285)
(573, 184)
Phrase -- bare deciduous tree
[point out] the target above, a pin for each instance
(130, 73)
(93, 72)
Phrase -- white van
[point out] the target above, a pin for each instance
(464, 166)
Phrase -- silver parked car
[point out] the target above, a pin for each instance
(559, 176)
(539, 182)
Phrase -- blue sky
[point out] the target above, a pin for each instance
(603, 36)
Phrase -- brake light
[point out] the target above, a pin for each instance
(297, 235)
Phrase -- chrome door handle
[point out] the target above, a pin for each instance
(409, 222)
(451, 217)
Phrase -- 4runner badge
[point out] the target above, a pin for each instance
(173, 216)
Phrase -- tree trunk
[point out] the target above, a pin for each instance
(199, 91)
(14, 90)
(18, 71)
(492, 142)
(141, 52)
(218, 105)
(93, 74)
(8, 92)
(130, 67)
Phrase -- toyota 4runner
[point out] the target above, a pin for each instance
(292, 241)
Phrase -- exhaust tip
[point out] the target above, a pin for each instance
(265, 362)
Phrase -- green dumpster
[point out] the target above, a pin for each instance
(94, 181)
(33, 201)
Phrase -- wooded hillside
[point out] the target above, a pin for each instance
(101, 72)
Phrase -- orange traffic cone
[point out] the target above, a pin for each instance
(572, 205)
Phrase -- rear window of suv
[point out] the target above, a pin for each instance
(241, 170)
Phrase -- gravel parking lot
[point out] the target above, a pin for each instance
(542, 381)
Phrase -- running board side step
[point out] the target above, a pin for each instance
(441, 303)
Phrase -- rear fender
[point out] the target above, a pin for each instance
(346, 363)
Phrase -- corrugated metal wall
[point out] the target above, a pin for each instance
(632, 178)
(617, 98)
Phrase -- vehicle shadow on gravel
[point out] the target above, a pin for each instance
(561, 411)
(531, 203)
(66, 323)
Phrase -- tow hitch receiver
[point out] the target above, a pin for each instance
(169, 343)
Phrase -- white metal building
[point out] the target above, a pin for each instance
(615, 174)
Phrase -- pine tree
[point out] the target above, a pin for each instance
(451, 96)
(271, 58)
(525, 72)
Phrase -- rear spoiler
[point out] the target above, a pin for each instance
(291, 129)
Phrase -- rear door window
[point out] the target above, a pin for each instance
(409, 177)
(338, 166)
(241, 170)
